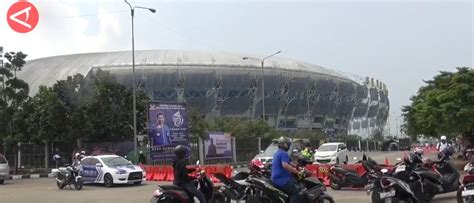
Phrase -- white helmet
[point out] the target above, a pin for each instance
(76, 155)
(443, 137)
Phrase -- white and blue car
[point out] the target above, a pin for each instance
(110, 170)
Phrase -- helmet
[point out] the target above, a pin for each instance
(443, 137)
(180, 151)
(76, 155)
(284, 143)
(256, 163)
(83, 152)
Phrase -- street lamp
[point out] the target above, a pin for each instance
(263, 82)
(132, 12)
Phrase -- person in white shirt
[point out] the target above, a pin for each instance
(442, 144)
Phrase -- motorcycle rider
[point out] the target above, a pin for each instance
(307, 152)
(77, 160)
(442, 144)
(181, 177)
(282, 170)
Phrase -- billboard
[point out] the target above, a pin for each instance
(167, 127)
(218, 146)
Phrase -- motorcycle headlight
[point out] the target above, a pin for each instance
(120, 172)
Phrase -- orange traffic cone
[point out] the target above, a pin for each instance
(386, 161)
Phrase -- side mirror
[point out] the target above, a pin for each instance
(98, 164)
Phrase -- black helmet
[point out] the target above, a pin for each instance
(180, 151)
(284, 143)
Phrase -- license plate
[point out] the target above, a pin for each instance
(467, 193)
(384, 195)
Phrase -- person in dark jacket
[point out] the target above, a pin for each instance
(181, 177)
(142, 158)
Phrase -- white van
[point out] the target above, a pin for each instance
(331, 153)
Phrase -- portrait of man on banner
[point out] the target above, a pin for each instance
(160, 132)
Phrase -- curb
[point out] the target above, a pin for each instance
(31, 176)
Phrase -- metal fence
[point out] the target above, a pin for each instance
(33, 156)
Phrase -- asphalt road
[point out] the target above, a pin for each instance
(44, 190)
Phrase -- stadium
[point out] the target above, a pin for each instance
(298, 95)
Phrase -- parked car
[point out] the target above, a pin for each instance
(4, 169)
(266, 156)
(110, 170)
(331, 153)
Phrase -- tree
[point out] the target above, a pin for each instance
(110, 109)
(198, 126)
(75, 97)
(14, 102)
(48, 119)
(443, 107)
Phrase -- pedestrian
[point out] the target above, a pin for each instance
(142, 158)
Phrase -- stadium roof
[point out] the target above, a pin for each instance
(46, 71)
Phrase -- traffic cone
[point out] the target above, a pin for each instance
(387, 163)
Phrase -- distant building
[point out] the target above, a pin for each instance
(298, 95)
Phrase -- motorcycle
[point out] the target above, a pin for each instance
(235, 188)
(439, 177)
(465, 193)
(68, 175)
(386, 189)
(177, 194)
(311, 188)
(340, 177)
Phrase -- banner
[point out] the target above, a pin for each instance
(168, 127)
(218, 146)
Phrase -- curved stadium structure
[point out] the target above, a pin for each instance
(297, 94)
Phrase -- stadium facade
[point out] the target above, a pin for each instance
(298, 95)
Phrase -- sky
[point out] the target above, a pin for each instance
(399, 42)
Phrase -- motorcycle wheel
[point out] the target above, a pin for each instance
(334, 185)
(459, 195)
(221, 198)
(78, 185)
(375, 197)
(60, 185)
(324, 199)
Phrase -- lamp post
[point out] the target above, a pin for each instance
(263, 81)
(132, 12)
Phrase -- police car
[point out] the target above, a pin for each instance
(110, 170)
